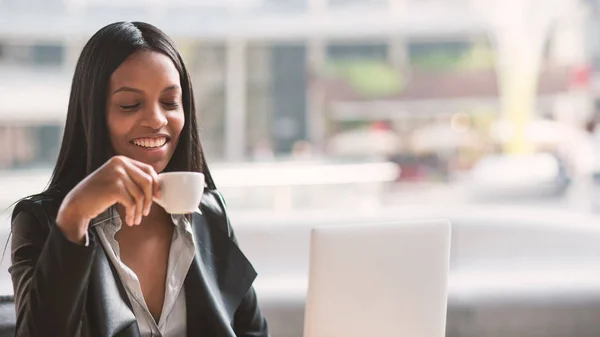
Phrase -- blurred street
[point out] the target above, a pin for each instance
(389, 202)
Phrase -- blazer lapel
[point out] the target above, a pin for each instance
(218, 279)
(109, 304)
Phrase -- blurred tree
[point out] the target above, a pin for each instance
(369, 78)
(454, 57)
(479, 56)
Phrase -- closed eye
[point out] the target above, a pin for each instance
(130, 107)
(171, 105)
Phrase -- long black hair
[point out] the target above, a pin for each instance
(85, 144)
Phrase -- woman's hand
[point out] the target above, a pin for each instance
(120, 180)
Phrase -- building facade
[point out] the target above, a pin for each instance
(256, 65)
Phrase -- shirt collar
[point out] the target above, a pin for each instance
(107, 218)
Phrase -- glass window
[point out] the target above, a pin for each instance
(36, 54)
(207, 67)
(448, 55)
(352, 51)
(29, 146)
(47, 54)
(259, 107)
(276, 97)
(285, 6)
(343, 4)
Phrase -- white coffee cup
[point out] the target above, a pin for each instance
(180, 192)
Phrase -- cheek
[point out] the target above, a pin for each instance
(118, 126)
(176, 120)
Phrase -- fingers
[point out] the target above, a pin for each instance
(134, 214)
(140, 183)
(127, 199)
(146, 182)
(150, 171)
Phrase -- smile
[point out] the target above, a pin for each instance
(150, 143)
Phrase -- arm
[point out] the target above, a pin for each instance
(248, 320)
(51, 265)
(50, 276)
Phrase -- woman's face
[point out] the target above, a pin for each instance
(144, 109)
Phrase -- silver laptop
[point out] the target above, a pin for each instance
(375, 280)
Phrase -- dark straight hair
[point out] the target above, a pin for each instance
(85, 144)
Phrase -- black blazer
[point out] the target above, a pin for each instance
(64, 289)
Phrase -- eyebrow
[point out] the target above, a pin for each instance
(171, 87)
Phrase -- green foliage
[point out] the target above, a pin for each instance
(478, 56)
(369, 78)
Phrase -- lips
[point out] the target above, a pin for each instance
(150, 142)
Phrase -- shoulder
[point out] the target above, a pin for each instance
(42, 207)
(214, 210)
(212, 202)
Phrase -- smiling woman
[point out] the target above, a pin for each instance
(93, 255)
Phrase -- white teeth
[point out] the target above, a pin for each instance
(150, 142)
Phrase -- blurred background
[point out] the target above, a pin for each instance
(319, 112)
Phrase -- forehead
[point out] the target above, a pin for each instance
(145, 69)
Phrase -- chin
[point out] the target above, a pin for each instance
(158, 167)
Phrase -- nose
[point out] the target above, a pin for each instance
(154, 117)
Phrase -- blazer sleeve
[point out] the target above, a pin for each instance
(248, 320)
(49, 274)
